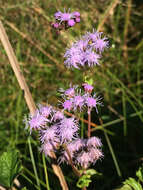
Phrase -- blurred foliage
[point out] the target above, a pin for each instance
(119, 80)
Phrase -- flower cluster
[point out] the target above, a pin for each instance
(83, 152)
(77, 99)
(66, 19)
(86, 51)
(54, 128)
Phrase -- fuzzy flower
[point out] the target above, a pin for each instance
(92, 102)
(64, 20)
(49, 134)
(84, 159)
(83, 152)
(77, 20)
(68, 128)
(45, 110)
(91, 58)
(88, 87)
(70, 92)
(76, 14)
(94, 142)
(72, 148)
(67, 105)
(78, 102)
(71, 22)
(37, 121)
(86, 51)
(58, 115)
(47, 148)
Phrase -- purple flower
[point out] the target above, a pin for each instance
(101, 44)
(72, 147)
(58, 14)
(37, 121)
(91, 58)
(88, 87)
(77, 20)
(58, 115)
(67, 105)
(95, 154)
(74, 61)
(49, 134)
(86, 51)
(45, 110)
(71, 22)
(47, 148)
(70, 92)
(94, 142)
(76, 14)
(55, 25)
(91, 102)
(78, 102)
(68, 128)
(84, 159)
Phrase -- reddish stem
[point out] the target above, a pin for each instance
(89, 123)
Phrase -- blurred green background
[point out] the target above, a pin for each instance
(119, 80)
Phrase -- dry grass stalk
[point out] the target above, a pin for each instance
(27, 95)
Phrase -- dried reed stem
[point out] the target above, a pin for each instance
(27, 95)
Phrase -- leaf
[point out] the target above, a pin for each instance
(139, 174)
(10, 167)
(24, 188)
(83, 181)
(124, 187)
(92, 172)
(133, 183)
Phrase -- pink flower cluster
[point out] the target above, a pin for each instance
(54, 128)
(66, 19)
(83, 152)
(86, 51)
(77, 99)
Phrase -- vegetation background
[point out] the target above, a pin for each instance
(119, 80)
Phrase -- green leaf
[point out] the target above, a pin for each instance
(92, 172)
(124, 187)
(83, 181)
(133, 183)
(10, 167)
(139, 174)
(24, 188)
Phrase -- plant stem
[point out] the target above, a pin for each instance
(45, 170)
(111, 150)
(89, 123)
(75, 170)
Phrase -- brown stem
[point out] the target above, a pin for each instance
(71, 162)
(89, 123)
(27, 95)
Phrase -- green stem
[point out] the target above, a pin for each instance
(45, 170)
(33, 163)
(111, 150)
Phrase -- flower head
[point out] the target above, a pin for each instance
(86, 51)
(37, 121)
(67, 105)
(45, 110)
(88, 87)
(68, 128)
(66, 19)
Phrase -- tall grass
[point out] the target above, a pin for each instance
(119, 80)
